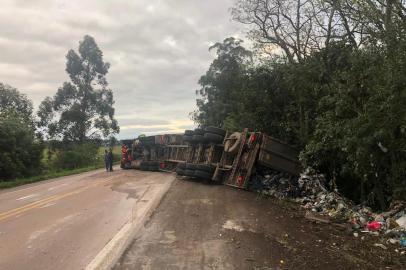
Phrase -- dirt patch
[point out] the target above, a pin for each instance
(201, 226)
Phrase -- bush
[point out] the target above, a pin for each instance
(21, 153)
(76, 156)
(344, 107)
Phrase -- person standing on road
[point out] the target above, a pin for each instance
(110, 159)
(106, 160)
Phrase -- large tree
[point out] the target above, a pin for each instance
(11, 100)
(82, 108)
(221, 82)
(296, 28)
(21, 152)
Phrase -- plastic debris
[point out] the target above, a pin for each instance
(393, 241)
(402, 221)
(403, 242)
(380, 245)
(328, 206)
(374, 226)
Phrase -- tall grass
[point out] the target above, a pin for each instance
(50, 172)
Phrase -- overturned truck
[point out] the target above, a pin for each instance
(211, 154)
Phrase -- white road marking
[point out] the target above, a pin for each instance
(52, 188)
(50, 181)
(27, 197)
(48, 205)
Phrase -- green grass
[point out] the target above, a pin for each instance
(116, 153)
(56, 174)
(50, 175)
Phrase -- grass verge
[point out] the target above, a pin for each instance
(50, 175)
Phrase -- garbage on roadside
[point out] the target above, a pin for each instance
(329, 206)
(403, 242)
(380, 245)
(374, 226)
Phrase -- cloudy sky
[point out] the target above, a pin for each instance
(157, 49)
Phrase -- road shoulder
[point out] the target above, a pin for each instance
(142, 210)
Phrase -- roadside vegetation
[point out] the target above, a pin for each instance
(70, 130)
(325, 76)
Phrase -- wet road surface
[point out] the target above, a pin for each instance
(64, 223)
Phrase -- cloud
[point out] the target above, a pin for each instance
(158, 49)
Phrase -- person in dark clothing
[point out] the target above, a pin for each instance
(106, 160)
(110, 159)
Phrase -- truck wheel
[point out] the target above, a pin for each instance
(198, 139)
(187, 138)
(127, 166)
(190, 166)
(215, 130)
(203, 175)
(144, 166)
(153, 163)
(180, 172)
(153, 168)
(190, 173)
(233, 142)
(181, 166)
(214, 138)
(199, 131)
(206, 168)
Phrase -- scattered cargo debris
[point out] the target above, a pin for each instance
(330, 207)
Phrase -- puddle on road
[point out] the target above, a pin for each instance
(131, 191)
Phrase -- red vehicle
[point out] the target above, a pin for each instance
(126, 154)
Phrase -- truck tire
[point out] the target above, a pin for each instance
(214, 138)
(153, 168)
(203, 175)
(199, 131)
(189, 133)
(190, 166)
(181, 166)
(198, 139)
(190, 173)
(180, 172)
(233, 142)
(187, 138)
(215, 130)
(206, 168)
(153, 163)
(144, 166)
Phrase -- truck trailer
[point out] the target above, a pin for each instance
(211, 154)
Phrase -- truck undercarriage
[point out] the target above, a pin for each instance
(211, 154)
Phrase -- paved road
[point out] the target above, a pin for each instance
(64, 223)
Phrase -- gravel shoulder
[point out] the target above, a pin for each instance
(199, 226)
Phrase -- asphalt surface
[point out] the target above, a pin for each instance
(200, 226)
(64, 223)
